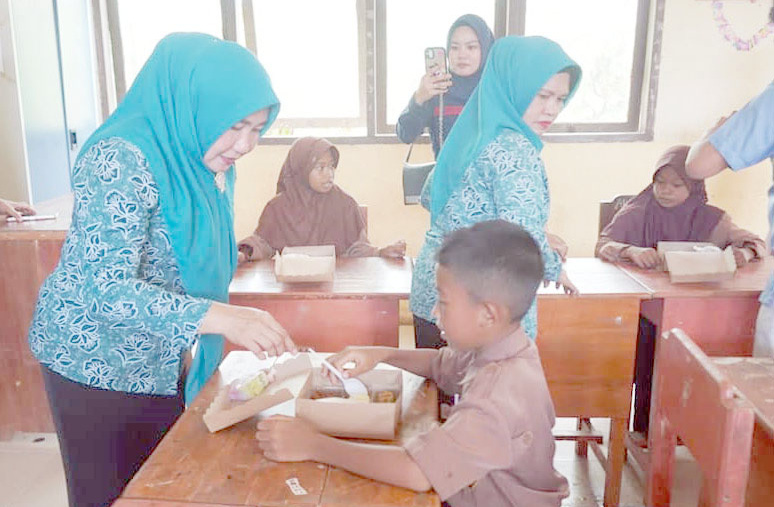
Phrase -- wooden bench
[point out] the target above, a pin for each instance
(694, 400)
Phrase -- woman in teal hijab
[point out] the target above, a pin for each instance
(145, 269)
(490, 166)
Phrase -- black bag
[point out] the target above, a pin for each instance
(414, 177)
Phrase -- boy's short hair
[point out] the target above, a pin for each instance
(495, 261)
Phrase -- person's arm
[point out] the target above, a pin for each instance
(118, 224)
(254, 248)
(15, 209)
(413, 120)
(742, 140)
(283, 438)
(746, 245)
(704, 160)
(416, 361)
(609, 250)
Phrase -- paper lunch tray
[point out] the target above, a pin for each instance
(223, 412)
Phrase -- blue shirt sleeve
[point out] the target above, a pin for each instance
(748, 136)
(521, 195)
(126, 284)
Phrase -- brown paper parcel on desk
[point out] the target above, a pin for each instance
(703, 266)
(344, 418)
(224, 412)
(305, 264)
(662, 247)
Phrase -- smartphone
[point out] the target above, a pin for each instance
(435, 61)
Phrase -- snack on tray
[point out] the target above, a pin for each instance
(384, 397)
(319, 394)
(245, 388)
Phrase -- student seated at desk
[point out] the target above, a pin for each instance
(672, 208)
(309, 209)
(496, 447)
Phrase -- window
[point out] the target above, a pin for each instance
(612, 57)
(345, 69)
(315, 61)
(410, 27)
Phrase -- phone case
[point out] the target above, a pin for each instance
(435, 60)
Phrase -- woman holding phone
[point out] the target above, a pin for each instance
(467, 45)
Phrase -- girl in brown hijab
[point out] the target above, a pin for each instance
(309, 209)
(672, 208)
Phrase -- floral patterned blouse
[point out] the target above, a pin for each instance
(114, 313)
(507, 181)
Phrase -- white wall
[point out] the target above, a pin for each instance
(13, 181)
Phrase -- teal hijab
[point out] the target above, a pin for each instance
(516, 69)
(191, 90)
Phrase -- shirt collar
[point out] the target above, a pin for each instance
(509, 346)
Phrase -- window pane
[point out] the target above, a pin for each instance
(145, 22)
(411, 26)
(603, 45)
(310, 49)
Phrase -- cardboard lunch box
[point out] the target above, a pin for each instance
(343, 418)
(662, 247)
(305, 264)
(700, 266)
(297, 380)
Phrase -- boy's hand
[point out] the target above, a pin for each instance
(365, 359)
(284, 438)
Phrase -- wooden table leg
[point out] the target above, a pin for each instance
(615, 460)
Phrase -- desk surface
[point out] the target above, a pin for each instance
(594, 277)
(748, 281)
(356, 277)
(753, 377)
(194, 467)
(43, 229)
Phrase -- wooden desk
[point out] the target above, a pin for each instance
(360, 307)
(192, 467)
(719, 317)
(29, 251)
(754, 379)
(587, 345)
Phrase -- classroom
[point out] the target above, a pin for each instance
(587, 267)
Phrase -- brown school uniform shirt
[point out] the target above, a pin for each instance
(496, 447)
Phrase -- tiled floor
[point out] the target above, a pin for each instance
(31, 471)
(31, 475)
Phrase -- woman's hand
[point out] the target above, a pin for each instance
(251, 328)
(15, 209)
(558, 245)
(284, 438)
(432, 85)
(395, 251)
(646, 258)
(563, 282)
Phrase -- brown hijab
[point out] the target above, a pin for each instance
(300, 216)
(644, 222)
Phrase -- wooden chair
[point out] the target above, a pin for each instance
(608, 209)
(693, 400)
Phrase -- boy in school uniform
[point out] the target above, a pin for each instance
(496, 447)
